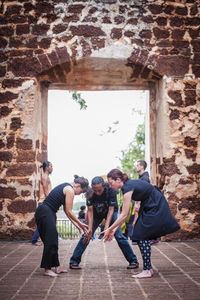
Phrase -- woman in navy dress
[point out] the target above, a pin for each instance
(153, 218)
(45, 216)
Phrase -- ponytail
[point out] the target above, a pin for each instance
(115, 173)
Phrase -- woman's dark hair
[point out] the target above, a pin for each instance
(45, 164)
(115, 173)
(84, 183)
(98, 180)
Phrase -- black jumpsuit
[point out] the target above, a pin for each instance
(46, 222)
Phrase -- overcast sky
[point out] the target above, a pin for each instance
(78, 142)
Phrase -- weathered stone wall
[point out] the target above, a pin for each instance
(99, 45)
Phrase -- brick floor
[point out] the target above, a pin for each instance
(103, 276)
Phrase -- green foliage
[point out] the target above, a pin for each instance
(77, 97)
(134, 152)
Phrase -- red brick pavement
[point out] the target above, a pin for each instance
(103, 276)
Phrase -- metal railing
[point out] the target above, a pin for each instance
(67, 230)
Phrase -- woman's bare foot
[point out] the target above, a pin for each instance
(144, 274)
(48, 272)
(60, 270)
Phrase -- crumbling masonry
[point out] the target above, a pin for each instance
(98, 45)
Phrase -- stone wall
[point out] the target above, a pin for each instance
(108, 44)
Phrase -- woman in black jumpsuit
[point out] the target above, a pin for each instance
(45, 216)
(154, 217)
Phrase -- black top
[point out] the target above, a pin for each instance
(56, 197)
(81, 215)
(142, 189)
(101, 203)
(145, 177)
(154, 217)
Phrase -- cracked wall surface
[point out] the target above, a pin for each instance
(99, 45)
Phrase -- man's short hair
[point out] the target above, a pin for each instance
(98, 180)
(142, 163)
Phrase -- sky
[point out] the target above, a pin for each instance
(78, 140)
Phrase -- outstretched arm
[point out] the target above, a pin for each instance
(69, 197)
(120, 220)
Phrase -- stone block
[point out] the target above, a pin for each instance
(176, 22)
(5, 156)
(155, 9)
(7, 97)
(25, 67)
(116, 33)
(8, 193)
(13, 10)
(10, 141)
(6, 31)
(22, 29)
(26, 156)
(22, 207)
(2, 70)
(75, 8)
(45, 43)
(161, 33)
(62, 54)
(40, 29)
(16, 123)
(24, 144)
(190, 97)
(190, 142)
(11, 83)
(3, 42)
(5, 111)
(194, 169)
(86, 30)
(59, 28)
(174, 114)
(168, 169)
(23, 169)
(173, 65)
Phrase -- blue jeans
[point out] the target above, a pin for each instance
(120, 238)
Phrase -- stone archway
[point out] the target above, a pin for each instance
(143, 45)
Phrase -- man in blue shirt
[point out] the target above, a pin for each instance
(103, 205)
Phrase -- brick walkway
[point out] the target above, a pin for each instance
(103, 276)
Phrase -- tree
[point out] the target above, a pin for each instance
(134, 152)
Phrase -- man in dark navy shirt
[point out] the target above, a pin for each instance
(103, 205)
(140, 169)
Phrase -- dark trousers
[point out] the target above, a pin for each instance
(46, 224)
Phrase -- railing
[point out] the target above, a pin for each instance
(67, 230)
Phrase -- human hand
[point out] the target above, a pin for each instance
(108, 235)
(88, 237)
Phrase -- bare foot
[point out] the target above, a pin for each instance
(50, 273)
(144, 274)
(37, 244)
(60, 270)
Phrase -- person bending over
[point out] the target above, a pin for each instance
(102, 204)
(45, 216)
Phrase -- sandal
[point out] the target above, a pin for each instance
(74, 266)
(133, 265)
